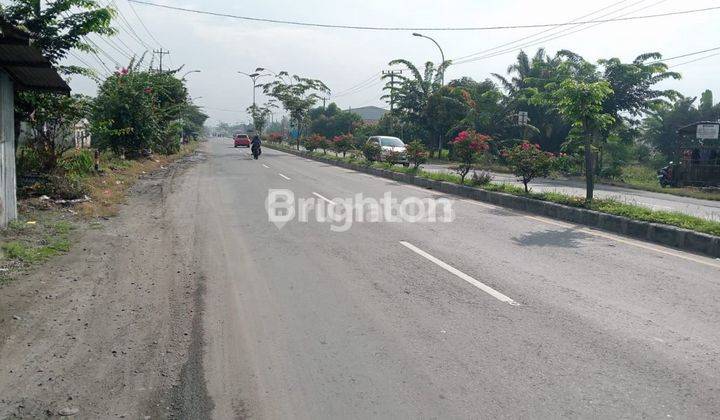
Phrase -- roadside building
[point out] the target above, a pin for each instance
(81, 134)
(370, 114)
(22, 67)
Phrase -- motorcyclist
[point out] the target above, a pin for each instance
(255, 145)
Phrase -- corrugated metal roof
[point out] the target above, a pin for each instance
(26, 65)
(369, 113)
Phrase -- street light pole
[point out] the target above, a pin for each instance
(254, 77)
(442, 81)
(442, 54)
(190, 72)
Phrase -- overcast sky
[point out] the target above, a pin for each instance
(220, 47)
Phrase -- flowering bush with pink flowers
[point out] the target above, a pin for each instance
(342, 143)
(466, 148)
(527, 161)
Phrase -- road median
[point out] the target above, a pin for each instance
(663, 234)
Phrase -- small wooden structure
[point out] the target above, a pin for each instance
(22, 67)
(697, 155)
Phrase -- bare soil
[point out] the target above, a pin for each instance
(110, 329)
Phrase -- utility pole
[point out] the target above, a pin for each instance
(392, 74)
(161, 52)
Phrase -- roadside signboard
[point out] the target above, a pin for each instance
(708, 131)
(523, 118)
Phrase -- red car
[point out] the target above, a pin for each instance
(242, 140)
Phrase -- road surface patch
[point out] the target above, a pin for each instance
(625, 241)
(480, 285)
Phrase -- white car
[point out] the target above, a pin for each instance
(391, 146)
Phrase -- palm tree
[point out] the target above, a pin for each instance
(416, 95)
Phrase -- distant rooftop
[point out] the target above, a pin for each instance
(369, 113)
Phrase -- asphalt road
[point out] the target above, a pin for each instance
(706, 209)
(495, 314)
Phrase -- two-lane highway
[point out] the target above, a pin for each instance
(495, 314)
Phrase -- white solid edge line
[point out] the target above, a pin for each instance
(324, 198)
(265, 166)
(482, 286)
(284, 176)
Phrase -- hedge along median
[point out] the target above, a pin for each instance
(628, 220)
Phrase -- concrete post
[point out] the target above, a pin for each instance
(8, 200)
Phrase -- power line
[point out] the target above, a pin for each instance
(373, 77)
(377, 82)
(143, 24)
(685, 55)
(128, 27)
(385, 28)
(692, 61)
(541, 32)
(551, 37)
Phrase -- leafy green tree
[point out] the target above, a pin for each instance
(61, 25)
(297, 95)
(52, 125)
(530, 76)
(487, 109)
(332, 121)
(418, 98)
(660, 126)
(123, 117)
(259, 115)
(55, 29)
(582, 104)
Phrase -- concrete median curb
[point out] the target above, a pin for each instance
(675, 237)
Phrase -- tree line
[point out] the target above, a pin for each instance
(135, 112)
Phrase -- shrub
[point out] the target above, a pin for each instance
(527, 162)
(343, 143)
(78, 163)
(313, 142)
(417, 153)
(467, 147)
(390, 157)
(481, 178)
(324, 144)
(371, 151)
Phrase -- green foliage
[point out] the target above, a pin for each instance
(480, 178)
(421, 100)
(78, 163)
(297, 96)
(61, 25)
(260, 115)
(52, 125)
(528, 162)
(342, 143)
(138, 111)
(313, 142)
(332, 121)
(417, 153)
(371, 151)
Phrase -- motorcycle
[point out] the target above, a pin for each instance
(664, 176)
(256, 151)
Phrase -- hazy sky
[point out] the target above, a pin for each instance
(219, 47)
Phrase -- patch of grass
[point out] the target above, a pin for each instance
(34, 238)
(644, 178)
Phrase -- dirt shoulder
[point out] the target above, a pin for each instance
(108, 329)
